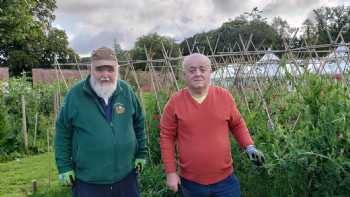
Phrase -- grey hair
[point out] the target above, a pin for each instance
(200, 56)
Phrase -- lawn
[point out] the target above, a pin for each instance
(16, 176)
(16, 179)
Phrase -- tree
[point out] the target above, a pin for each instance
(119, 52)
(327, 21)
(255, 15)
(229, 35)
(57, 47)
(310, 33)
(153, 43)
(26, 37)
(281, 27)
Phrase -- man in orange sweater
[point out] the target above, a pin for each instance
(198, 120)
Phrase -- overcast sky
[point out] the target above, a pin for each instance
(94, 23)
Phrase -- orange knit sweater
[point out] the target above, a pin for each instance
(201, 134)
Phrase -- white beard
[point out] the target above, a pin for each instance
(104, 91)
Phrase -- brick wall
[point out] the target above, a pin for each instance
(4, 73)
(40, 75)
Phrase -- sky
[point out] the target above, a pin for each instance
(90, 24)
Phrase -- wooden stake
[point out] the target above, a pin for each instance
(24, 123)
(34, 186)
(35, 128)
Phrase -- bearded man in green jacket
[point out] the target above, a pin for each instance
(100, 144)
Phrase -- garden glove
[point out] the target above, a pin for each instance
(254, 155)
(67, 178)
(139, 165)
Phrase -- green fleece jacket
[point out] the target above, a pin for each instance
(97, 150)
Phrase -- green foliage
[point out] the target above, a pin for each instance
(39, 109)
(307, 153)
(121, 54)
(152, 182)
(26, 38)
(152, 121)
(4, 121)
(57, 45)
(229, 35)
(154, 45)
(282, 28)
(331, 19)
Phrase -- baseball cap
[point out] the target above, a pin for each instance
(103, 57)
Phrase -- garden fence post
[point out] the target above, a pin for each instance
(34, 186)
(35, 128)
(24, 123)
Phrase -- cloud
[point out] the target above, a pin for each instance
(85, 43)
(281, 7)
(93, 23)
(230, 7)
(297, 11)
(102, 21)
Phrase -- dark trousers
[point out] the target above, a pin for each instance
(229, 187)
(127, 187)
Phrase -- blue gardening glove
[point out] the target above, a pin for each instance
(254, 155)
(139, 165)
(67, 178)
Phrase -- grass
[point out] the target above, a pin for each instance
(16, 176)
(16, 179)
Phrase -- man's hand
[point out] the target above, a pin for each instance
(67, 178)
(139, 165)
(254, 155)
(173, 181)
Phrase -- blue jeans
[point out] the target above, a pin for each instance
(127, 187)
(229, 187)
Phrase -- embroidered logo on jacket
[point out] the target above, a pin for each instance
(119, 108)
